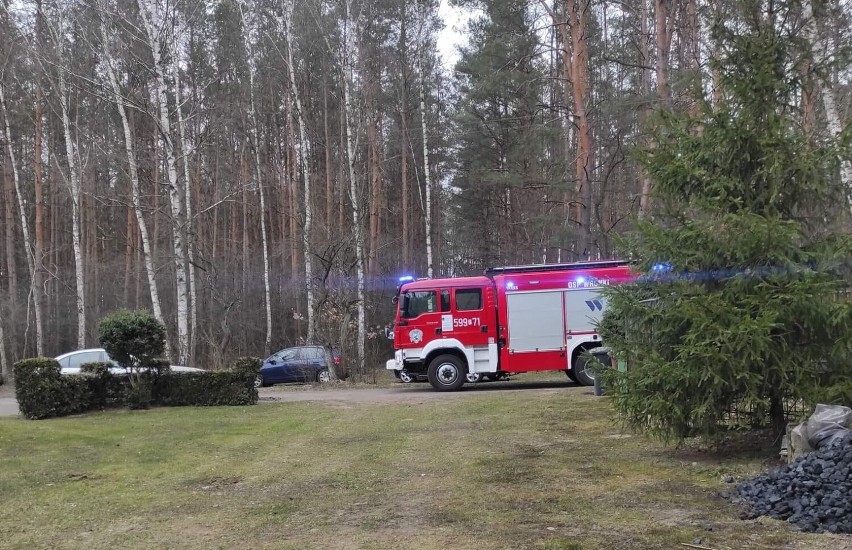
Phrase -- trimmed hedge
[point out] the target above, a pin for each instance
(43, 392)
(204, 389)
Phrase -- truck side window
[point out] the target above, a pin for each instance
(445, 300)
(468, 299)
(419, 302)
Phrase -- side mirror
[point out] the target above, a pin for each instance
(388, 333)
(395, 299)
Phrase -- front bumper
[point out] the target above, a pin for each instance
(396, 363)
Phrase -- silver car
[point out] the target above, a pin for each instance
(71, 362)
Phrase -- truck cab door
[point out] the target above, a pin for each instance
(419, 319)
(472, 319)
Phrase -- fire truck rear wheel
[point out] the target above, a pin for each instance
(571, 375)
(446, 373)
(584, 377)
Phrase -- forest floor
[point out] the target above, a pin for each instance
(536, 463)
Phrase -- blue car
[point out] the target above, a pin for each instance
(299, 364)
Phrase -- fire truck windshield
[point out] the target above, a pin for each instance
(417, 303)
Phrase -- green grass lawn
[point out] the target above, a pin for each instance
(538, 469)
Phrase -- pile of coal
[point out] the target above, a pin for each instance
(814, 492)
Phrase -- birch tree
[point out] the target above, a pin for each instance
(835, 124)
(421, 39)
(154, 22)
(186, 150)
(30, 252)
(350, 108)
(59, 27)
(304, 167)
(254, 135)
(120, 101)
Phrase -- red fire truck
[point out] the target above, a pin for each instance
(509, 320)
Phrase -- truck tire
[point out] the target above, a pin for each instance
(446, 373)
(571, 375)
(583, 376)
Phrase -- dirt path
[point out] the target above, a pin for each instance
(394, 393)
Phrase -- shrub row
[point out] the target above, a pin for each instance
(43, 392)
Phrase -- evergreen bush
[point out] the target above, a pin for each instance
(742, 308)
(134, 339)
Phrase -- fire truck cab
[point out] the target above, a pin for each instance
(509, 320)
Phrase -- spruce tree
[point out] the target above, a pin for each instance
(743, 306)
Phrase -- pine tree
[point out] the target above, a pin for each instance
(502, 179)
(746, 309)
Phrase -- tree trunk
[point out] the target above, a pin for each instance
(254, 134)
(174, 185)
(424, 126)
(4, 361)
(374, 171)
(664, 41)
(130, 232)
(349, 48)
(305, 169)
(9, 216)
(647, 183)
(403, 174)
(25, 227)
(329, 180)
(190, 233)
(585, 163)
(835, 124)
(133, 171)
(74, 172)
(38, 255)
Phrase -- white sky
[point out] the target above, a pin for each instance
(453, 33)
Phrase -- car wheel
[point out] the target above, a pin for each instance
(258, 381)
(472, 377)
(323, 377)
(571, 375)
(583, 375)
(446, 373)
(405, 377)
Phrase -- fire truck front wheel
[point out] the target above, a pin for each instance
(583, 375)
(446, 373)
